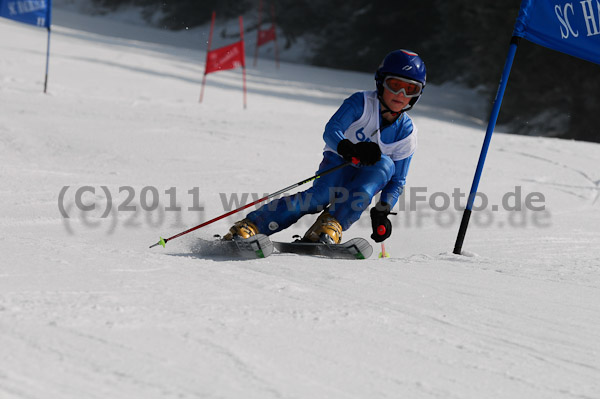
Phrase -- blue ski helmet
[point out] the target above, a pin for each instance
(405, 64)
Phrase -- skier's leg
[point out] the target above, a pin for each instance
(367, 182)
(281, 213)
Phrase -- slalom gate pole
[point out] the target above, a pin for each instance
(486, 144)
(163, 241)
(210, 36)
(258, 31)
(47, 61)
(274, 27)
(243, 59)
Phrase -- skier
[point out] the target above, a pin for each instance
(370, 127)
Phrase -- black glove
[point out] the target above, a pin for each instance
(347, 150)
(367, 152)
(382, 227)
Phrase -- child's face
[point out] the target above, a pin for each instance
(396, 102)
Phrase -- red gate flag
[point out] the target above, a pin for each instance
(265, 36)
(228, 57)
(224, 58)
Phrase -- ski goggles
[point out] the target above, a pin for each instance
(398, 85)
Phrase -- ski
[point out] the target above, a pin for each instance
(356, 248)
(258, 246)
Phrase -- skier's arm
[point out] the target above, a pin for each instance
(392, 191)
(350, 111)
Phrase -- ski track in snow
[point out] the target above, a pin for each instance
(594, 185)
(88, 311)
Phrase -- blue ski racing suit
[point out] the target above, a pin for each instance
(349, 190)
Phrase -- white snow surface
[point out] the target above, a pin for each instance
(87, 310)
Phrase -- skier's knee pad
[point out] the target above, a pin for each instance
(381, 172)
(387, 166)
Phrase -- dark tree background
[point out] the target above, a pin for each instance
(465, 41)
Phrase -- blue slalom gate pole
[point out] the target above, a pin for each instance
(47, 61)
(486, 144)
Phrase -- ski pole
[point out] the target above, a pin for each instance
(163, 241)
(383, 254)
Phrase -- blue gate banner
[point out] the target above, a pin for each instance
(571, 27)
(33, 12)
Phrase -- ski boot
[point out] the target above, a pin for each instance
(243, 228)
(326, 230)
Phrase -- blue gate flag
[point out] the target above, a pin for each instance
(571, 27)
(33, 12)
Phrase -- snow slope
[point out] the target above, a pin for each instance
(88, 311)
